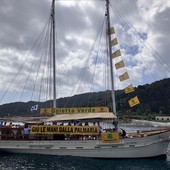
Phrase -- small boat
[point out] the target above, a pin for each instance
(85, 131)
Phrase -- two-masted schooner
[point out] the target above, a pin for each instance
(86, 138)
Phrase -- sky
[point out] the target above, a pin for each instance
(142, 29)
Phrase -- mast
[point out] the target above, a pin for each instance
(54, 69)
(110, 55)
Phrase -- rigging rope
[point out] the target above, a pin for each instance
(145, 44)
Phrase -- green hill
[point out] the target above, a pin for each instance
(154, 98)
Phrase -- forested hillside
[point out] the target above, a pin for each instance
(154, 98)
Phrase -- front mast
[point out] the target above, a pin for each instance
(110, 54)
(54, 69)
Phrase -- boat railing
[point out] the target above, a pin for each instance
(7, 133)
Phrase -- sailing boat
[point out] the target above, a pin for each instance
(88, 140)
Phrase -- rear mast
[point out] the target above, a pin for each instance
(110, 55)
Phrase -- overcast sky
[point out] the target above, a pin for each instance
(144, 42)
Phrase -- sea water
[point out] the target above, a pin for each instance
(42, 162)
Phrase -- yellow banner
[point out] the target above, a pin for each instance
(76, 130)
(116, 54)
(111, 30)
(110, 137)
(124, 76)
(129, 89)
(114, 42)
(53, 111)
(134, 101)
(120, 64)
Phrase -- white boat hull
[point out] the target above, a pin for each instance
(144, 147)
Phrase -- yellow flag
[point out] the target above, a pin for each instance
(119, 65)
(116, 54)
(111, 30)
(134, 101)
(124, 76)
(114, 42)
(129, 89)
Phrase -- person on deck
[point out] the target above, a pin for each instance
(100, 127)
(115, 123)
(123, 133)
(9, 132)
(1, 125)
(86, 124)
(26, 132)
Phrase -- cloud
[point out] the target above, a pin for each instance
(141, 27)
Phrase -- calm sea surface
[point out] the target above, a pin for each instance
(42, 162)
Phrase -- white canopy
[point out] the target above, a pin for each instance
(79, 116)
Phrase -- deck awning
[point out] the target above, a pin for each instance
(81, 116)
